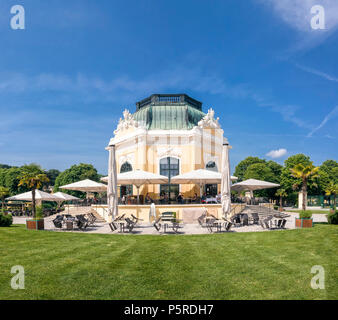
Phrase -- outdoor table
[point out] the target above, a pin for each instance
(69, 224)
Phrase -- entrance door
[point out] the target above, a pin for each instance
(170, 167)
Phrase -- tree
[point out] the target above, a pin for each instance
(5, 166)
(12, 179)
(332, 189)
(33, 177)
(303, 173)
(287, 181)
(76, 173)
(4, 192)
(328, 172)
(52, 174)
(243, 166)
(259, 171)
(281, 193)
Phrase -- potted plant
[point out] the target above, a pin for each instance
(332, 189)
(304, 220)
(33, 177)
(37, 223)
(281, 193)
(304, 173)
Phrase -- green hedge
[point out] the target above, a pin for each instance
(5, 221)
(332, 217)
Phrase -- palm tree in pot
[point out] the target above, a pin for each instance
(281, 193)
(304, 173)
(332, 189)
(34, 178)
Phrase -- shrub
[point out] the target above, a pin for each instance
(332, 217)
(305, 214)
(39, 212)
(5, 221)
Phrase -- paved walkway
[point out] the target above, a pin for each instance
(144, 228)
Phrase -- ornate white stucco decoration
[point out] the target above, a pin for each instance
(169, 152)
(209, 158)
(127, 158)
(127, 122)
(209, 121)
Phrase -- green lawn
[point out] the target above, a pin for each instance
(262, 265)
(326, 211)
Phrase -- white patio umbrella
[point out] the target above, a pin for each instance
(200, 177)
(86, 185)
(112, 183)
(253, 184)
(226, 182)
(152, 211)
(139, 178)
(64, 197)
(39, 196)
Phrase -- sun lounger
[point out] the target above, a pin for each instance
(157, 224)
(135, 219)
(113, 224)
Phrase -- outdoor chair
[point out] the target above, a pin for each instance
(157, 224)
(135, 219)
(236, 220)
(266, 223)
(57, 223)
(127, 224)
(201, 220)
(283, 224)
(245, 220)
(82, 222)
(227, 224)
(91, 218)
(254, 218)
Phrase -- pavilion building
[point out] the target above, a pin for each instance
(168, 134)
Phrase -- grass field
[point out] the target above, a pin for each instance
(312, 211)
(261, 265)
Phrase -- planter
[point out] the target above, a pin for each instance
(304, 223)
(35, 224)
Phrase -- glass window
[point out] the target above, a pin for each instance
(170, 167)
(211, 189)
(126, 189)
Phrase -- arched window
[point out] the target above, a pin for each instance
(126, 167)
(211, 189)
(126, 189)
(211, 165)
(169, 167)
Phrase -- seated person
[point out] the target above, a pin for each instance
(204, 197)
(179, 198)
(219, 197)
(148, 199)
(162, 197)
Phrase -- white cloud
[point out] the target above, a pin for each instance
(277, 153)
(297, 13)
(328, 117)
(317, 73)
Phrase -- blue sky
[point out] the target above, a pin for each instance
(66, 78)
